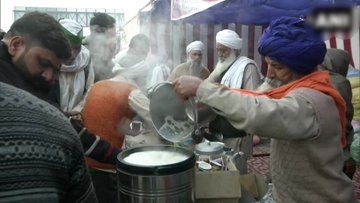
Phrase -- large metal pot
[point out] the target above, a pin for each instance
(174, 119)
(142, 182)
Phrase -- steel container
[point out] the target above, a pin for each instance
(172, 183)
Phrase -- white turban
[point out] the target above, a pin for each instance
(229, 39)
(195, 46)
(73, 28)
(70, 25)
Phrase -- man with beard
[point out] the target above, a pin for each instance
(31, 54)
(194, 65)
(305, 117)
(30, 59)
(41, 155)
(336, 61)
(234, 71)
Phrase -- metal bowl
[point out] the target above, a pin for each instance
(174, 119)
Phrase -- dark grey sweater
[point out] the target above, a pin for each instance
(41, 158)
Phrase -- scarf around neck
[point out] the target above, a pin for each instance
(318, 80)
(72, 81)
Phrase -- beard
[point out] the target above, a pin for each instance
(195, 67)
(37, 82)
(275, 82)
(269, 83)
(41, 85)
(223, 65)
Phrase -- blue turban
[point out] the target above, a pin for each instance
(292, 42)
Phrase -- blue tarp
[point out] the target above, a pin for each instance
(255, 12)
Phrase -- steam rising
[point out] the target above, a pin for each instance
(102, 47)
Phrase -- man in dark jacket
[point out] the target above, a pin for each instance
(42, 160)
(31, 55)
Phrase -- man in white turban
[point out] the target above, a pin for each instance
(76, 76)
(193, 66)
(234, 71)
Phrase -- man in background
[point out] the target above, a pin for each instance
(160, 72)
(337, 62)
(234, 71)
(193, 66)
(76, 74)
(102, 44)
(131, 66)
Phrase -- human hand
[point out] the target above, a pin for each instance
(75, 115)
(186, 86)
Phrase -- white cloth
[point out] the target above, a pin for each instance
(195, 46)
(229, 38)
(220, 67)
(233, 77)
(70, 25)
(159, 74)
(136, 75)
(72, 81)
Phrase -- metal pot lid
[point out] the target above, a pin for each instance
(209, 147)
(174, 119)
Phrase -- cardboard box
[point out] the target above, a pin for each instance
(218, 186)
(225, 186)
(255, 184)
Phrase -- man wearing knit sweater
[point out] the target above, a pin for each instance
(305, 116)
(42, 159)
(31, 54)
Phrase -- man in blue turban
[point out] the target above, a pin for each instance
(292, 42)
(304, 117)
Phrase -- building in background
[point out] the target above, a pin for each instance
(80, 15)
(79, 10)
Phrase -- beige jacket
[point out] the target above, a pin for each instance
(306, 155)
(184, 69)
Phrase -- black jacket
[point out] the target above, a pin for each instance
(9, 74)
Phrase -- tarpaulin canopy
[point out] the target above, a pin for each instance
(248, 18)
(254, 12)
